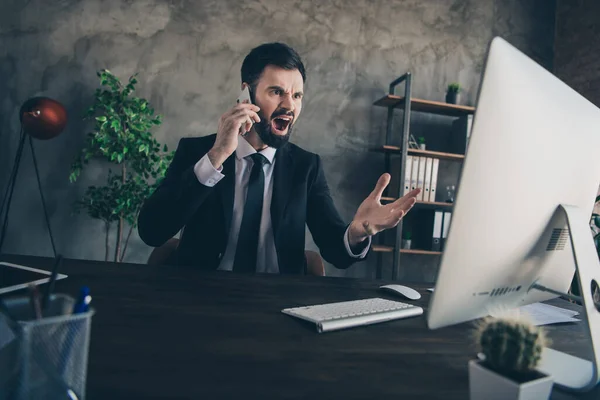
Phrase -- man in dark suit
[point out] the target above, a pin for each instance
(244, 195)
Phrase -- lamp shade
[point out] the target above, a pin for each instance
(43, 118)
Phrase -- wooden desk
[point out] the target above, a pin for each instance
(179, 333)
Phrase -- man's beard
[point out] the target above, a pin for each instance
(266, 134)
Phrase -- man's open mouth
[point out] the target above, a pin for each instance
(281, 123)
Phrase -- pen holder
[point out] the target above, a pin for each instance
(46, 358)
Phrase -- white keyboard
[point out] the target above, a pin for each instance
(348, 314)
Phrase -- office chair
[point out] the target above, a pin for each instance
(162, 256)
(314, 263)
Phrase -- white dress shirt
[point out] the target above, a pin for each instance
(267, 254)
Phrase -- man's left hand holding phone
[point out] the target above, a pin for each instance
(236, 121)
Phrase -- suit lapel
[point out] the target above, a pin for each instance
(282, 185)
(227, 190)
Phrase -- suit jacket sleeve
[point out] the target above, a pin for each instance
(324, 222)
(175, 200)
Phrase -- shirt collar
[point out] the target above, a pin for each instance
(244, 149)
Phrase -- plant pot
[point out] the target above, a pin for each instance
(452, 97)
(406, 244)
(490, 385)
(422, 146)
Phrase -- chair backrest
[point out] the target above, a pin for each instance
(314, 263)
(161, 255)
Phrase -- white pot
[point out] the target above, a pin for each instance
(485, 384)
(406, 244)
(422, 146)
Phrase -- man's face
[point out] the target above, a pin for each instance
(279, 95)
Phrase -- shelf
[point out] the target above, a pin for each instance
(424, 153)
(389, 249)
(382, 249)
(423, 252)
(421, 203)
(428, 106)
(408, 104)
(437, 154)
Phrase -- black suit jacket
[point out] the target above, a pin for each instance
(300, 197)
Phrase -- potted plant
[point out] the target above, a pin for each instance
(121, 136)
(509, 353)
(406, 240)
(422, 143)
(595, 227)
(452, 94)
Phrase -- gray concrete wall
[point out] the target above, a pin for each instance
(577, 47)
(188, 55)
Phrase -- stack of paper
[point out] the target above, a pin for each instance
(541, 313)
(545, 314)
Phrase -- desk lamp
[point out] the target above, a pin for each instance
(41, 118)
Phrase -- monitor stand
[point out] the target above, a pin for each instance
(569, 372)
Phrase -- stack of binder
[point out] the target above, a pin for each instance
(430, 229)
(421, 172)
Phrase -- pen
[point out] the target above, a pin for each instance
(80, 306)
(50, 287)
(83, 301)
(34, 299)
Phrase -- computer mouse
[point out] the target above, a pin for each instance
(402, 291)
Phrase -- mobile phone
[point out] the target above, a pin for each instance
(244, 96)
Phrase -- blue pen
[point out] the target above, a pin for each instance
(83, 301)
(81, 305)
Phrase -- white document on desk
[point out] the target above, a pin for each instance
(545, 314)
(541, 313)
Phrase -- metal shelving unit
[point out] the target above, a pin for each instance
(408, 104)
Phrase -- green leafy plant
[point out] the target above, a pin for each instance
(595, 227)
(421, 140)
(511, 347)
(454, 88)
(121, 136)
(407, 235)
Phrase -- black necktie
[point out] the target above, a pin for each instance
(247, 245)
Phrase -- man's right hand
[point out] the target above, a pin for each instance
(242, 116)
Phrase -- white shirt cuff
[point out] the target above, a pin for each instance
(347, 244)
(206, 172)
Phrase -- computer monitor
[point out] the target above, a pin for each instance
(526, 193)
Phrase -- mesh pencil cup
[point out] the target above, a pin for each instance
(46, 358)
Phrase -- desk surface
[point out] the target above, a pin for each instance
(162, 332)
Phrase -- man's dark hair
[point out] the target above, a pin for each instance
(276, 54)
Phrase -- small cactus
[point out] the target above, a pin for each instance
(511, 347)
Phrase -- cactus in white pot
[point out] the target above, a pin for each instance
(510, 352)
